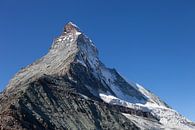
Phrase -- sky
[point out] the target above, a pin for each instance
(149, 42)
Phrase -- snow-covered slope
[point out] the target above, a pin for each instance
(73, 46)
(130, 95)
(168, 118)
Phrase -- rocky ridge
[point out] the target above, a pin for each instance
(70, 88)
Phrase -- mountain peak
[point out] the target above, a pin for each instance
(71, 27)
(70, 85)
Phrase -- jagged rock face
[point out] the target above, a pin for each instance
(53, 103)
(70, 88)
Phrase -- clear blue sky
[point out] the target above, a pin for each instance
(151, 42)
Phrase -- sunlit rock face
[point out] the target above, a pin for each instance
(70, 88)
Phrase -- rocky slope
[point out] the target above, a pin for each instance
(70, 88)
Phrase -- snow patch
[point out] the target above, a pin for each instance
(81, 62)
(78, 33)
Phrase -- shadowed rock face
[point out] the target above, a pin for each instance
(70, 88)
(54, 103)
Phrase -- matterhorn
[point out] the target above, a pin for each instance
(70, 88)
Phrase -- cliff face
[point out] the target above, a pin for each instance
(70, 88)
(54, 103)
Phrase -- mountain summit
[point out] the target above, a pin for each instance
(70, 88)
(71, 27)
